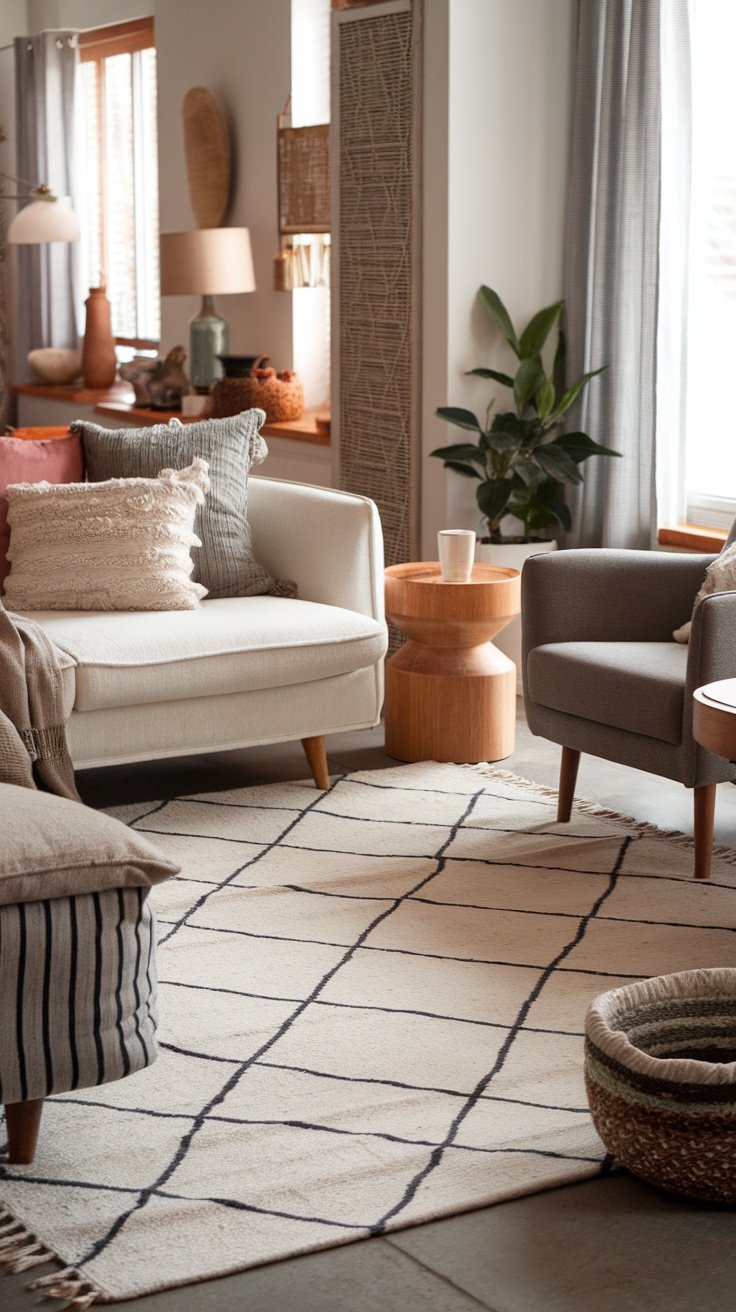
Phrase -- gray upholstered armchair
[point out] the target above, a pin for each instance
(602, 674)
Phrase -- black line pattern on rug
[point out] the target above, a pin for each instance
(436, 1157)
(230, 1083)
(228, 1072)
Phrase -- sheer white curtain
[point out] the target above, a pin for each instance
(626, 280)
(673, 319)
(45, 81)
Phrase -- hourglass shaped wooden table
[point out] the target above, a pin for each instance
(450, 694)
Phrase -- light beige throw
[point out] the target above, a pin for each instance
(33, 746)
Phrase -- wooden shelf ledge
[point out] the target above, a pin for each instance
(118, 402)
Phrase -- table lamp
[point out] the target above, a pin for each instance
(206, 262)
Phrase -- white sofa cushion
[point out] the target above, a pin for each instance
(227, 645)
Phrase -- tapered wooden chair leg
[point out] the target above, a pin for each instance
(704, 806)
(23, 1120)
(568, 776)
(316, 754)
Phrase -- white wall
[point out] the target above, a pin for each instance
(46, 15)
(242, 53)
(502, 68)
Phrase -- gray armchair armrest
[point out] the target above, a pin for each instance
(712, 648)
(606, 595)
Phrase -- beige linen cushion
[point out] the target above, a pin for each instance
(52, 847)
(720, 576)
(224, 562)
(120, 545)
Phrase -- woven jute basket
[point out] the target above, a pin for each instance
(660, 1073)
(280, 395)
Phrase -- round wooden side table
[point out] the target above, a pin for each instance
(450, 694)
(714, 717)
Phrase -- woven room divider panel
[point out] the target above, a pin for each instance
(376, 269)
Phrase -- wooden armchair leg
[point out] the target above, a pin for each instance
(704, 806)
(568, 775)
(23, 1120)
(316, 754)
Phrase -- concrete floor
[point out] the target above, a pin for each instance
(612, 1245)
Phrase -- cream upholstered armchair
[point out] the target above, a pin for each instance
(602, 674)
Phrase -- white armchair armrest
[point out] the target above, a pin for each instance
(329, 543)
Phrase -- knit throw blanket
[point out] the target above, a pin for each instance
(33, 750)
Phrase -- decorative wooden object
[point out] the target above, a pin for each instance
(207, 151)
(450, 694)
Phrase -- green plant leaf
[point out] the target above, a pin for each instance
(546, 398)
(557, 464)
(461, 418)
(498, 314)
(538, 329)
(458, 468)
(497, 440)
(571, 395)
(526, 472)
(579, 446)
(491, 373)
(493, 498)
(530, 377)
(462, 451)
(508, 422)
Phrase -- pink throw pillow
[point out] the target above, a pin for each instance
(50, 460)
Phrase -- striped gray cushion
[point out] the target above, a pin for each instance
(224, 564)
(78, 991)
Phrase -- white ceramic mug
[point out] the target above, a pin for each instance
(456, 547)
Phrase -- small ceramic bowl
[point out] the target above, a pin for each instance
(660, 1073)
(55, 365)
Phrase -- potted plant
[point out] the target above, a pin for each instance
(520, 458)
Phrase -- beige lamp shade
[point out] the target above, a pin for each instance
(52, 219)
(206, 262)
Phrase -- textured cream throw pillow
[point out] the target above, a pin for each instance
(120, 545)
(720, 576)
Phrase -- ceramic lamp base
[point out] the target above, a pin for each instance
(208, 338)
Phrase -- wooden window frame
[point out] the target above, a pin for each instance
(95, 46)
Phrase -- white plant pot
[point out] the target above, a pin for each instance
(511, 555)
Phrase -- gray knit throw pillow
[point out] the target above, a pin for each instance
(224, 563)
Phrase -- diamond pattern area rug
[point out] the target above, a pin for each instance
(371, 1012)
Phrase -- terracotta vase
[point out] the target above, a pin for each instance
(99, 361)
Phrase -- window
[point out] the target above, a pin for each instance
(119, 209)
(710, 475)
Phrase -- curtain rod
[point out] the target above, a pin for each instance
(69, 36)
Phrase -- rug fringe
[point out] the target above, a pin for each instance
(68, 1284)
(640, 827)
(21, 1249)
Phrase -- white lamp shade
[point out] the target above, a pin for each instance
(206, 262)
(45, 220)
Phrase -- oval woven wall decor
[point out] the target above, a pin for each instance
(207, 151)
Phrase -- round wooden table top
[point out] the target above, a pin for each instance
(714, 717)
(418, 588)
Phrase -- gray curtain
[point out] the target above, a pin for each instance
(611, 264)
(45, 82)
